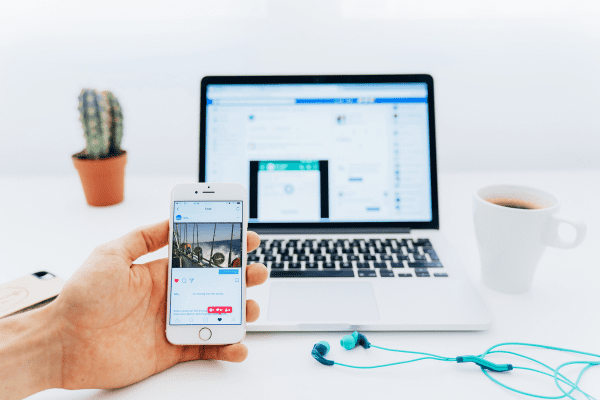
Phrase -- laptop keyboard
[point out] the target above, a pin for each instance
(343, 258)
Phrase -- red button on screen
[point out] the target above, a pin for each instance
(219, 310)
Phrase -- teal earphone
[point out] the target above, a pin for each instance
(348, 342)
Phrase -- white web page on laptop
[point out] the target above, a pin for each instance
(374, 138)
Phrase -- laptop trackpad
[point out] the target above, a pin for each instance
(346, 302)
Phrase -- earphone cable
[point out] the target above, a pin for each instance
(350, 341)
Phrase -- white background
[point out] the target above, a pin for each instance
(517, 82)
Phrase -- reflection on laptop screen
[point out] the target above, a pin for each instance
(323, 152)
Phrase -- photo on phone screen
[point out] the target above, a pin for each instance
(206, 257)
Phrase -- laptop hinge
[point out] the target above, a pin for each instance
(320, 231)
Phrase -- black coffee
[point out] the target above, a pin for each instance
(515, 203)
(514, 206)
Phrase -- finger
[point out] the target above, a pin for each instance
(256, 274)
(252, 311)
(139, 242)
(157, 268)
(253, 241)
(233, 353)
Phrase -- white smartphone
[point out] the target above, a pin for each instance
(206, 294)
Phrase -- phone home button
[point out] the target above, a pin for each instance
(205, 334)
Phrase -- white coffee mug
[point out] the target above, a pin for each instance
(511, 240)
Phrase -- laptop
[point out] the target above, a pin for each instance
(342, 183)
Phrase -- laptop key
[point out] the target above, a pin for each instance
(369, 273)
(286, 258)
(397, 265)
(419, 257)
(330, 273)
(369, 257)
(270, 258)
(386, 273)
(444, 275)
(277, 266)
(337, 258)
(431, 253)
(405, 275)
(380, 265)
(312, 265)
(303, 257)
(253, 258)
(362, 265)
(425, 264)
(421, 242)
(353, 258)
(320, 258)
(294, 265)
(328, 265)
(386, 257)
(345, 265)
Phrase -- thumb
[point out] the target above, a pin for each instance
(137, 243)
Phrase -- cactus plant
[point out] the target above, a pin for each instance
(102, 121)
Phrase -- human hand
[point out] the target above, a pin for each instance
(112, 315)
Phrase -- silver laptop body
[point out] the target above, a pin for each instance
(342, 185)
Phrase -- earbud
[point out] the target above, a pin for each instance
(319, 352)
(350, 341)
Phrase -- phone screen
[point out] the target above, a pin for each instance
(206, 274)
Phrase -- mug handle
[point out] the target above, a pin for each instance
(555, 240)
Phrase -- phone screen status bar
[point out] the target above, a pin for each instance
(183, 203)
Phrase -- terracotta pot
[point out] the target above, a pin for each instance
(102, 180)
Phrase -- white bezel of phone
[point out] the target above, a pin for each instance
(226, 334)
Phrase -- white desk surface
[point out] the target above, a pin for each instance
(45, 224)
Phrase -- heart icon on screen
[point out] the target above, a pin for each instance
(176, 280)
(219, 319)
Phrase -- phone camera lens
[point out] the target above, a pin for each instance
(44, 275)
(196, 192)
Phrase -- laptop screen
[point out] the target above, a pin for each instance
(323, 153)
